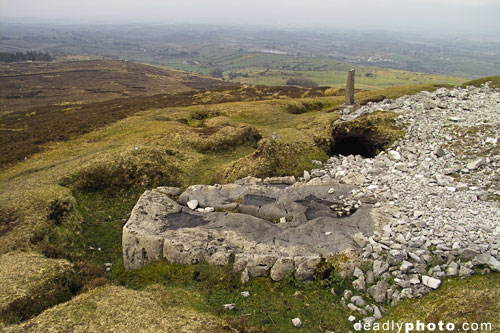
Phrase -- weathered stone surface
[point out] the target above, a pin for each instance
(229, 307)
(379, 267)
(296, 322)
(476, 163)
(358, 301)
(378, 291)
(488, 260)
(260, 265)
(349, 87)
(359, 284)
(431, 282)
(306, 267)
(281, 267)
(160, 227)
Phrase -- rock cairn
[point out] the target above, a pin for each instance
(439, 185)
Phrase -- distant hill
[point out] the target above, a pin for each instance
(24, 85)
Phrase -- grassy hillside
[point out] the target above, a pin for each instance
(26, 85)
(71, 200)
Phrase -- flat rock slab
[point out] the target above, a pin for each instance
(245, 223)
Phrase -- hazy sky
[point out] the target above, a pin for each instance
(439, 15)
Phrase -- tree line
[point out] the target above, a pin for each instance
(29, 55)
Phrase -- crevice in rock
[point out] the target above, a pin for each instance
(366, 135)
(361, 143)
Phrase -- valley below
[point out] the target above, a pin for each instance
(388, 212)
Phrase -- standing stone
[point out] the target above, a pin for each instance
(349, 88)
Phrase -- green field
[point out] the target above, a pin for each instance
(274, 70)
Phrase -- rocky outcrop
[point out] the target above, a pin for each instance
(271, 226)
(440, 184)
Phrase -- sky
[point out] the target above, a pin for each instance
(463, 16)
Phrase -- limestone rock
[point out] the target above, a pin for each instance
(358, 301)
(296, 322)
(306, 268)
(378, 291)
(394, 155)
(477, 163)
(281, 267)
(229, 307)
(488, 260)
(431, 282)
(192, 204)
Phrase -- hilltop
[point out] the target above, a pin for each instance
(26, 85)
(69, 199)
(43, 102)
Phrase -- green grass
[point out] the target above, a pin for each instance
(270, 307)
(472, 300)
(274, 70)
(494, 82)
(60, 182)
(96, 223)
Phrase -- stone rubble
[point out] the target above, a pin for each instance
(441, 187)
(432, 201)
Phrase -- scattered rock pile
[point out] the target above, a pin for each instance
(440, 186)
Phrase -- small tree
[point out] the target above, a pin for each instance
(217, 72)
(301, 82)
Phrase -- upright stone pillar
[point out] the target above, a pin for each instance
(349, 88)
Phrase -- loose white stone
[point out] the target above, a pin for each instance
(297, 322)
(431, 282)
(229, 307)
(192, 204)
(394, 155)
